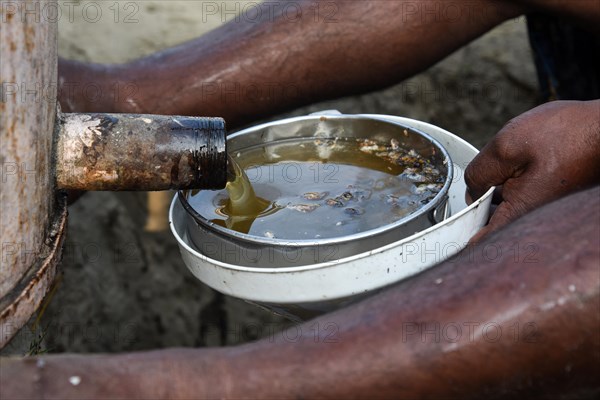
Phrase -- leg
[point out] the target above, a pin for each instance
(525, 302)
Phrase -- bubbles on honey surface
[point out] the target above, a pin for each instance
(304, 208)
(315, 195)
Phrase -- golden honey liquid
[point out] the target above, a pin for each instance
(242, 199)
(310, 189)
(242, 206)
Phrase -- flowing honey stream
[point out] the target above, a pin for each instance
(243, 206)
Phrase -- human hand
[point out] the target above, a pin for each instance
(538, 157)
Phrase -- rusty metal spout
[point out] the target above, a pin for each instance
(41, 150)
(139, 152)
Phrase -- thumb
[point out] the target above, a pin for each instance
(486, 170)
(505, 213)
(502, 158)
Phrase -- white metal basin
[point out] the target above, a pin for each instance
(304, 291)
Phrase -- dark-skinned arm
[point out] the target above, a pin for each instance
(514, 317)
(246, 70)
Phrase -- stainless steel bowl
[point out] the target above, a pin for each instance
(237, 248)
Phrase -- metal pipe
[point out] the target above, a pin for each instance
(139, 152)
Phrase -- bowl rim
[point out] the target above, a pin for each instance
(310, 267)
(191, 252)
(324, 242)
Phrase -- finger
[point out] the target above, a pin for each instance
(479, 236)
(493, 225)
(486, 170)
(501, 215)
(496, 196)
(502, 158)
(505, 213)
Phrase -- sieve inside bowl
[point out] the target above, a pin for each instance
(329, 127)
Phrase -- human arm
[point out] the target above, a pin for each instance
(525, 301)
(249, 69)
(246, 70)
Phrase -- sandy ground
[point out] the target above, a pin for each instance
(122, 288)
